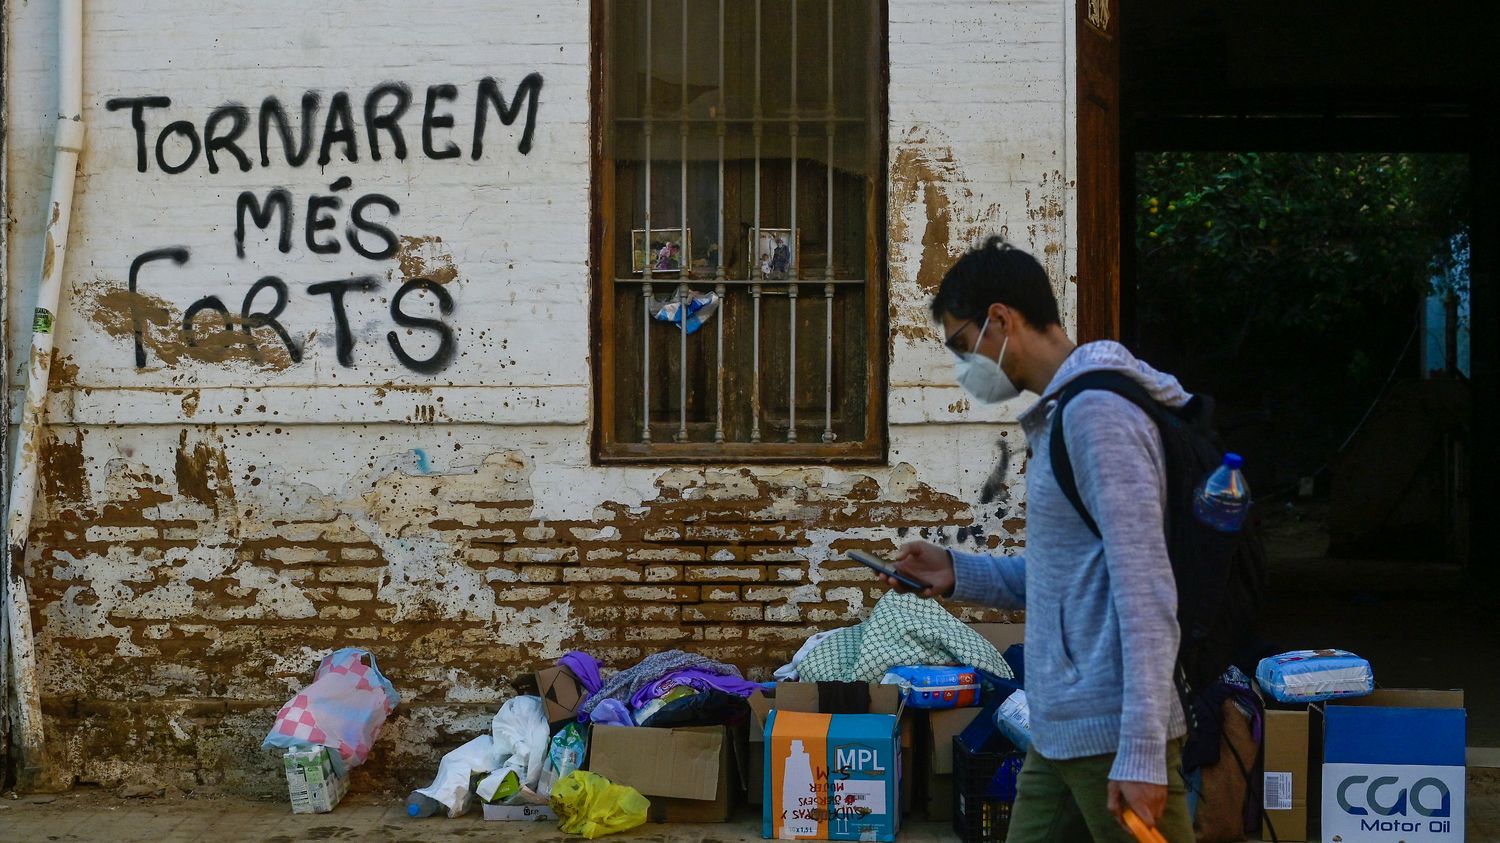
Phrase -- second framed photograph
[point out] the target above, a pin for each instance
(778, 253)
(666, 251)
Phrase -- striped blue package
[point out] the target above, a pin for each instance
(935, 687)
(1309, 676)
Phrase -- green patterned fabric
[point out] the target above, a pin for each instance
(902, 630)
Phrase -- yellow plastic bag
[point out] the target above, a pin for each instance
(590, 805)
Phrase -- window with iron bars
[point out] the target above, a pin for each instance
(739, 200)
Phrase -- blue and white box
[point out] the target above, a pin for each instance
(1394, 774)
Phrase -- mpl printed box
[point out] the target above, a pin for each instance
(832, 777)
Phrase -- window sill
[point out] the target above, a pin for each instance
(741, 453)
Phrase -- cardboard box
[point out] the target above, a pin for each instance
(684, 772)
(884, 699)
(561, 693)
(518, 813)
(754, 769)
(1394, 774)
(1293, 747)
(313, 782)
(832, 777)
(1284, 792)
(804, 697)
(938, 729)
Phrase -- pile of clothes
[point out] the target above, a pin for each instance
(522, 762)
(667, 690)
(936, 659)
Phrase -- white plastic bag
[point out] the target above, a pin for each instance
(455, 776)
(1014, 719)
(521, 737)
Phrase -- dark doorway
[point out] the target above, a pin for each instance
(1322, 299)
(1363, 414)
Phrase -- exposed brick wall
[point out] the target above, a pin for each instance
(172, 665)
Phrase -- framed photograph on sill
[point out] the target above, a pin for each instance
(779, 255)
(666, 251)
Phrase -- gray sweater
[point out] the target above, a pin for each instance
(1101, 625)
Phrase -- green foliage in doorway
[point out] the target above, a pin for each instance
(1288, 283)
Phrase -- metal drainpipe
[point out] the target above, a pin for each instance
(26, 732)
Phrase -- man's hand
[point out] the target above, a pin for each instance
(924, 562)
(1149, 801)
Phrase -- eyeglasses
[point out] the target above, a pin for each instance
(952, 341)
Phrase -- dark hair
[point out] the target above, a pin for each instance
(997, 272)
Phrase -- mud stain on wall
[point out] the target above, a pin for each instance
(64, 476)
(47, 256)
(202, 473)
(115, 310)
(935, 238)
(1044, 215)
(426, 257)
(925, 175)
(64, 373)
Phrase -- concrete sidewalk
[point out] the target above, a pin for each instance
(368, 818)
(96, 816)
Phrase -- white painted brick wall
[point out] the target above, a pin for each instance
(980, 91)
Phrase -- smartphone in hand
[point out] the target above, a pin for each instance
(875, 564)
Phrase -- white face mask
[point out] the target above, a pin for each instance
(982, 377)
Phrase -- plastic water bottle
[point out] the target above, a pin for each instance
(422, 805)
(1223, 500)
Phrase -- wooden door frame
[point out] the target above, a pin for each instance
(1100, 169)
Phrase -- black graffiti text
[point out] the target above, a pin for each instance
(388, 112)
(366, 232)
(267, 300)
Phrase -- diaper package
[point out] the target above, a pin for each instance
(1309, 676)
(936, 687)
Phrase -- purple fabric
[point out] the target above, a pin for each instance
(699, 680)
(611, 713)
(623, 686)
(586, 668)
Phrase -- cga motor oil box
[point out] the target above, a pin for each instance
(832, 777)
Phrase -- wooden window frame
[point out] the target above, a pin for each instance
(606, 450)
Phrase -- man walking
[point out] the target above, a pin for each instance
(1102, 632)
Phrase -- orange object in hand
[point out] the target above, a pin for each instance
(1144, 833)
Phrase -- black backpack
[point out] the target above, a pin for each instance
(1220, 576)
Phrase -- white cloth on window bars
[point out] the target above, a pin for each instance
(700, 308)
